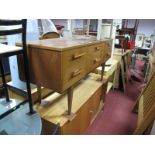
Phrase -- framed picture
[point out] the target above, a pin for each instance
(139, 40)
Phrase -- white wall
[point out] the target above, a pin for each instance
(146, 26)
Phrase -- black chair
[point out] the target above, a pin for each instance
(20, 28)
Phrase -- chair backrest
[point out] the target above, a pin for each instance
(50, 35)
(13, 30)
(14, 27)
(11, 27)
(146, 109)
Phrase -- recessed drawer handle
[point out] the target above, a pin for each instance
(97, 60)
(77, 56)
(97, 48)
(76, 73)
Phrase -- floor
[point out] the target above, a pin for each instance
(116, 118)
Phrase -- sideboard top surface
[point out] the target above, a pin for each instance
(62, 44)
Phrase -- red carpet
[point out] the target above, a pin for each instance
(117, 118)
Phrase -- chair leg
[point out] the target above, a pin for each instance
(4, 81)
(27, 80)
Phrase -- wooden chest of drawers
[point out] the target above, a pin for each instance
(60, 63)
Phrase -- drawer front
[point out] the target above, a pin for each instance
(74, 57)
(45, 68)
(74, 64)
(96, 55)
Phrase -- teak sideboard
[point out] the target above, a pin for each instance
(59, 63)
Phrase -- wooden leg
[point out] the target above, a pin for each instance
(114, 79)
(70, 98)
(102, 72)
(39, 93)
(126, 67)
(122, 75)
(147, 72)
(117, 76)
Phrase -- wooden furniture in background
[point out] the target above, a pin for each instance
(58, 64)
(109, 72)
(127, 29)
(122, 69)
(146, 107)
(88, 100)
(150, 68)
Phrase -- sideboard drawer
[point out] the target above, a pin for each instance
(72, 74)
(97, 55)
(74, 63)
(74, 57)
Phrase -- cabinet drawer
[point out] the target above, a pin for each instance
(97, 55)
(74, 57)
(73, 66)
(73, 73)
